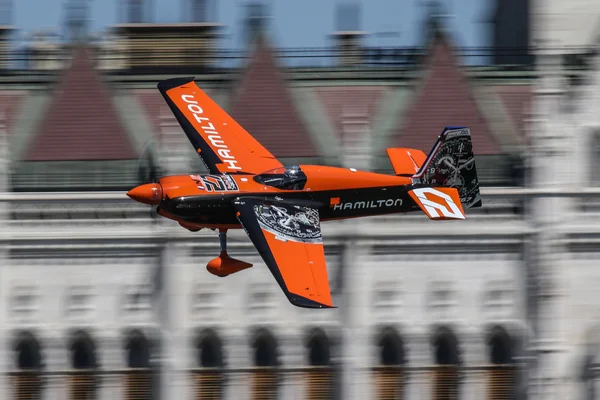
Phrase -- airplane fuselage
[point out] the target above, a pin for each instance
(205, 200)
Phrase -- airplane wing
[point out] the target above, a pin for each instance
(222, 144)
(288, 238)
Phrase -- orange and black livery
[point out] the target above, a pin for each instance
(281, 207)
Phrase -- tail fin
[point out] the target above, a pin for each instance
(406, 162)
(451, 164)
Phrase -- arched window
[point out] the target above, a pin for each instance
(264, 380)
(139, 377)
(446, 379)
(502, 372)
(27, 379)
(319, 377)
(83, 360)
(389, 374)
(588, 376)
(594, 159)
(210, 377)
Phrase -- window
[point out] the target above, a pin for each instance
(389, 374)
(502, 372)
(25, 303)
(83, 360)
(210, 378)
(28, 382)
(284, 178)
(595, 159)
(137, 298)
(319, 377)
(265, 378)
(446, 377)
(139, 378)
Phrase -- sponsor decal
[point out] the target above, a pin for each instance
(215, 183)
(444, 205)
(197, 179)
(297, 224)
(458, 132)
(354, 205)
(209, 130)
(452, 164)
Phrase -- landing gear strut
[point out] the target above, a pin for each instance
(224, 265)
(223, 240)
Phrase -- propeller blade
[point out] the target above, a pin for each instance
(148, 171)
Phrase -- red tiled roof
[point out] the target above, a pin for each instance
(354, 100)
(265, 109)
(518, 100)
(443, 99)
(81, 122)
(10, 101)
(153, 106)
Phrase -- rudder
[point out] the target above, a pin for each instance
(451, 164)
(405, 161)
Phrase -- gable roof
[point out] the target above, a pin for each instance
(11, 102)
(443, 98)
(263, 105)
(81, 122)
(518, 100)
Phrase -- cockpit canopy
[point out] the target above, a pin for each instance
(284, 178)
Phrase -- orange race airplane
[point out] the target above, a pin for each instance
(281, 207)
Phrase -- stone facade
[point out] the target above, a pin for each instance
(101, 296)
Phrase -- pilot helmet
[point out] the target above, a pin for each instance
(292, 171)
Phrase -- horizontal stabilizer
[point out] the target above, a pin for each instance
(405, 161)
(439, 203)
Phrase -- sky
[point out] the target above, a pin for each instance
(295, 23)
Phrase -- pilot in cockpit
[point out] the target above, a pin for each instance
(292, 172)
(287, 178)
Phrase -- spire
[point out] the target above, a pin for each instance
(201, 10)
(435, 22)
(77, 19)
(255, 24)
(134, 11)
(6, 12)
(347, 17)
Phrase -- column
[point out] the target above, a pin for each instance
(5, 353)
(238, 356)
(475, 351)
(551, 144)
(417, 345)
(356, 379)
(356, 137)
(171, 309)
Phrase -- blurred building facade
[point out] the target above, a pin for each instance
(105, 300)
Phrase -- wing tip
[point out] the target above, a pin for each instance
(170, 83)
(303, 302)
